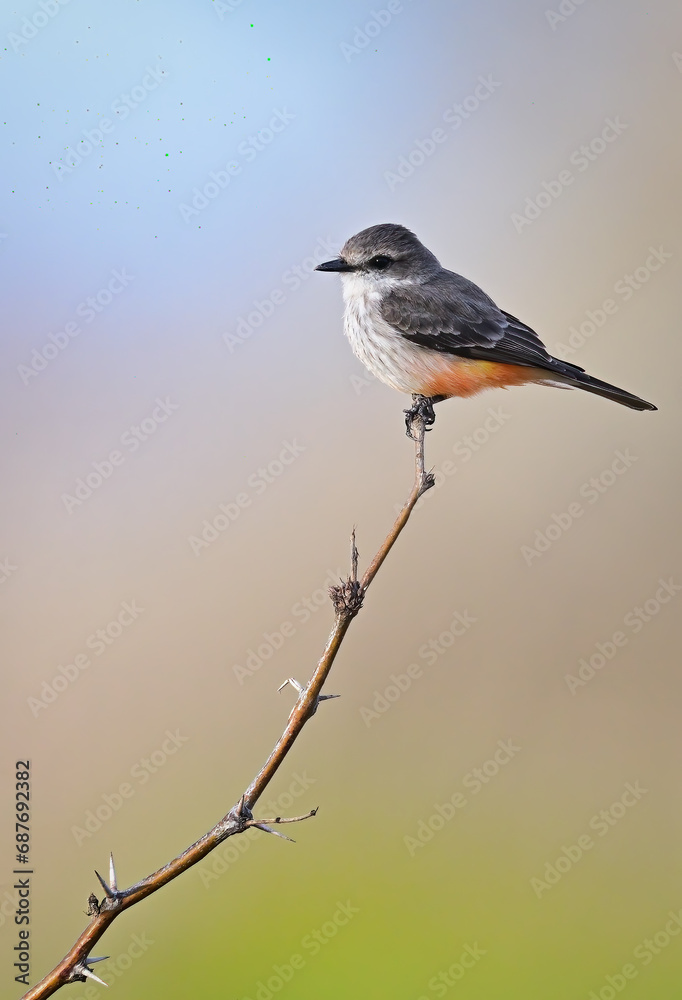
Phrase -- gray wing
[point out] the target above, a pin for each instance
(448, 309)
(451, 314)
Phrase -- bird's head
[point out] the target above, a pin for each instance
(383, 256)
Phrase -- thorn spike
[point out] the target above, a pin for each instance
(294, 683)
(275, 833)
(112, 873)
(104, 885)
(84, 971)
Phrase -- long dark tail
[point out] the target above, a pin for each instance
(521, 346)
(581, 380)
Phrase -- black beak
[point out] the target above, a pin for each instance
(335, 265)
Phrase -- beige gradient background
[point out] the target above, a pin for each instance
(295, 380)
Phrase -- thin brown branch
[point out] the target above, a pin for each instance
(347, 599)
(284, 819)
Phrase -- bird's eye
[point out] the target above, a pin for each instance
(380, 262)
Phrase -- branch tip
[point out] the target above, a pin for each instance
(263, 824)
(354, 555)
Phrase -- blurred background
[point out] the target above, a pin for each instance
(188, 441)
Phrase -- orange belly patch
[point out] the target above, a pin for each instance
(449, 376)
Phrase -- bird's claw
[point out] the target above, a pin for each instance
(422, 406)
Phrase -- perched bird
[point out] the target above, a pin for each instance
(428, 331)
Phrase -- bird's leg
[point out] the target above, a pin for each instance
(422, 406)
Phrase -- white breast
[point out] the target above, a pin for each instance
(385, 352)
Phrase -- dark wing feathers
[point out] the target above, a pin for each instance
(453, 315)
(448, 309)
(521, 346)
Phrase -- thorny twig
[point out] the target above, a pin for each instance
(347, 598)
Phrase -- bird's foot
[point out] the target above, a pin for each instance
(422, 406)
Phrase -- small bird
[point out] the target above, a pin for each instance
(428, 331)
